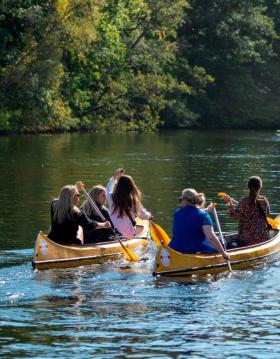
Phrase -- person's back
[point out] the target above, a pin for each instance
(124, 200)
(252, 228)
(188, 236)
(251, 212)
(193, 227)
(66, 231)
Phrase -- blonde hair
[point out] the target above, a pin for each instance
(63, 207)
(94, 194)
(195, 198)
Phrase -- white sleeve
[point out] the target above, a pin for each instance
(144, 214)
(109, 190)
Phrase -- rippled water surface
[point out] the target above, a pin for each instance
(118, 309)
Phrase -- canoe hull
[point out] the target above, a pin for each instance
(48, 254)
(174, 264)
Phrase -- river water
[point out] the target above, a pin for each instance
(119, 310)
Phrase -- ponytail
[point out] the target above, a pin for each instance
(198, 200)
(254, 185)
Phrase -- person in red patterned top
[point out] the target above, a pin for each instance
(251, 211)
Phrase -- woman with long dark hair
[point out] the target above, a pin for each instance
(124, 199)
(251, 212)
(67, 220)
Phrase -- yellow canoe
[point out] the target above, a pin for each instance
(171, 263)
(49, 254)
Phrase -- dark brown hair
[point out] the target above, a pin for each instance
(126, 197)
(254, 184)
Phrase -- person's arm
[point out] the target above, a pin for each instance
(109, 190)
(103, 225)
(267, 207)
(144, 214)
(234, 212)
(89, 224)
(213, 239)
(111, 184)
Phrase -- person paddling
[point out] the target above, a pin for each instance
(124, 200)
(97, 194)
(251, 212)
(193, 227)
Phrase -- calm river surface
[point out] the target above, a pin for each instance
(115, 310)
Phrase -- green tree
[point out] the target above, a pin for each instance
(232, 40)
(36, 35)
(126, 79)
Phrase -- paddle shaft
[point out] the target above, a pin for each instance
(221, 235)
(104, 219)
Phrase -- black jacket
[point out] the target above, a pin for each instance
(66, 232)
(99, 235)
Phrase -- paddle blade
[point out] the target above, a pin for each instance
(277, 218)
(274, 224)
(130, 256)
(158, 234)
(80, 185)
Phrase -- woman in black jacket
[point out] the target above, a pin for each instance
(66, 218)
(95, 235)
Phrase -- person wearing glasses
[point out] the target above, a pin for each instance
(193, 228)
(67, 220)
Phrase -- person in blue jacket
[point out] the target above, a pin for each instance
(193, 228)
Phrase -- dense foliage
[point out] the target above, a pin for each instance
(117, 65)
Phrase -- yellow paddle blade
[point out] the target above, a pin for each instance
(274, 224)
(80, 185)
(158, 234)
(277, 218)
(221, 194)
(130, 256)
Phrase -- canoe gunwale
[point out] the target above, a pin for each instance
(219, 267)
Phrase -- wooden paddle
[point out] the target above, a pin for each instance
(158, 234)
(221, 235)
(275, 223)
(128, 254)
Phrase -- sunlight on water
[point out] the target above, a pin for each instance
(118, 309)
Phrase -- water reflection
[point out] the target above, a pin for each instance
(118, 309)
